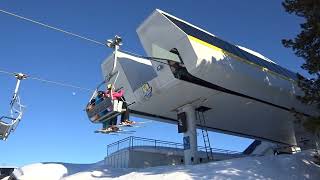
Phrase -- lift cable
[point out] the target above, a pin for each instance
(160, 60)
(76, 35)
(7, 72)
(52, 27)
(49, 81)
(156, 59)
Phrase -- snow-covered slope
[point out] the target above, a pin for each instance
(297, 166)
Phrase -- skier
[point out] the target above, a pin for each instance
(111, 125)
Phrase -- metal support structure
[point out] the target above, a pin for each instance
(190, 136)
(115, 44)
(19, 77)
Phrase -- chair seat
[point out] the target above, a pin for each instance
(5, 127)
(104, 110)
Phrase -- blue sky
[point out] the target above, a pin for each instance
(55, 127)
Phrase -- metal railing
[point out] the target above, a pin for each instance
(134, 142)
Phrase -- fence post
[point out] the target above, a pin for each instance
(132, 139)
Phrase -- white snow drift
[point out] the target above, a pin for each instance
(297, 166)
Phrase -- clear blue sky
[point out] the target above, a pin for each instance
(55, 127)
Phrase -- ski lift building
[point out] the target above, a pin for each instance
(245, 93)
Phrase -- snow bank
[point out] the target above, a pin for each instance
(297, 166)
(42, 171)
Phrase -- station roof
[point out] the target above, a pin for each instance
(207, 38)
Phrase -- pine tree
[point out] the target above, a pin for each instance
(307, 46)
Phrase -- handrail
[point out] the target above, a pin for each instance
(122, 140)
(133, 141)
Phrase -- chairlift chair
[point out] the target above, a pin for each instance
(10, 123)
(101, 109)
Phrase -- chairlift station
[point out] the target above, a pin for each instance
(239, 91)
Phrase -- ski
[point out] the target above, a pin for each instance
(120, 131)
(130, 126)
(134, 124)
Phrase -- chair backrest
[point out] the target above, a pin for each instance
(98, 109)
(7, 124)
(104, 110)
(5, 129)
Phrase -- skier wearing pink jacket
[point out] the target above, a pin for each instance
(111, 126)
(115, 95)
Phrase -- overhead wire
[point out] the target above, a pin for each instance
(52, 27)
(56, 29)
(7, 72)
(50, 81)
(159, 60)
(61, 84)
(78, 36)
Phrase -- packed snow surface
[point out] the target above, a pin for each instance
(297, 166)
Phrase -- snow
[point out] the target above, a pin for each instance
(42, 171)
(297, 166)
(256, 54)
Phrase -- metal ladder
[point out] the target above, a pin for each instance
(200, 116)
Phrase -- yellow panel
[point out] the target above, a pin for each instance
(238, 58)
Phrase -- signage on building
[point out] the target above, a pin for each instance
(186, 142)
(147, 91)
(182, 122)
